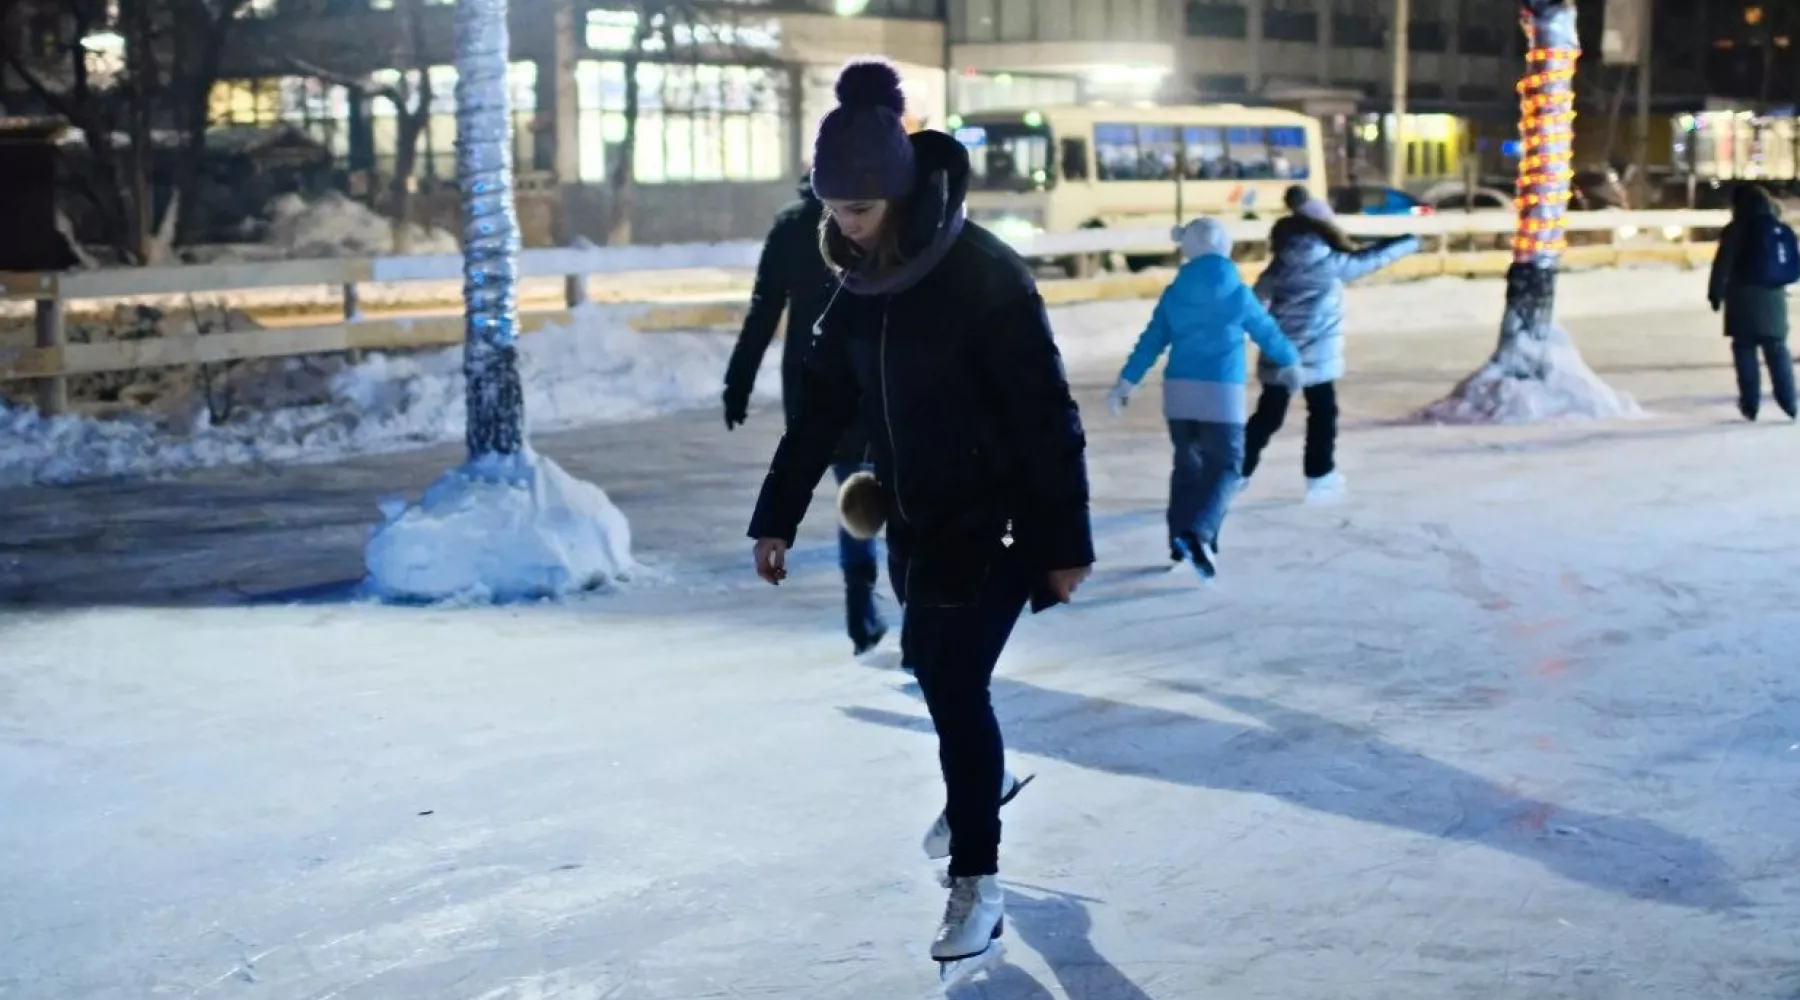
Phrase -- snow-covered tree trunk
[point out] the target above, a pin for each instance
(484, 169)
(508, 524)
(1536, 373)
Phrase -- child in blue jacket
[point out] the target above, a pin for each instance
(1201, 321)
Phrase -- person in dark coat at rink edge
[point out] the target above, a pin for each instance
(1756, 306)
(940, 344)
(791, 273)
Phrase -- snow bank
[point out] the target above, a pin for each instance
(1569, 391)
(598, 370)
(595, 370)
(500, 529)
(337, 226)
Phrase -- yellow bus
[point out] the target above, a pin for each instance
(1062, 169)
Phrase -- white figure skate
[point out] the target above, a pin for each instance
(937, 839)
(968, 941)
(1327, 489)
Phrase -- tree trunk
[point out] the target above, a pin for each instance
(1547, 111)
(138, 55)
(484, 170)
(409, 125)
(410, 122)
(620, 177)
(1535, 372)
(194, 94)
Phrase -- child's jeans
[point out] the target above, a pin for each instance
(1209, 459)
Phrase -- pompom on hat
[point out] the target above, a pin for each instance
(863, 150)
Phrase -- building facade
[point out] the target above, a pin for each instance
(729, 95)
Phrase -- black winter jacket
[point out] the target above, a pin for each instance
(1752, 312)
(791, 274)
(970, 419)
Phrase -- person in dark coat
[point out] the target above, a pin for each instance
(940, 344)
(792, 274)
(1756, 316)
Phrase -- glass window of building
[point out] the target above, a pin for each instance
(1217, 19)
(695, 124)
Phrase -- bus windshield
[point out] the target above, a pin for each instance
(1007, 156)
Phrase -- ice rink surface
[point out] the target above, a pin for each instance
(1516, 720)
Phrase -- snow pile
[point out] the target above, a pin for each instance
(1569, 391)
(595, 370)
(501, 528)
(337, 226)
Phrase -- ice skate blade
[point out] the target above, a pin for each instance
(956, 971)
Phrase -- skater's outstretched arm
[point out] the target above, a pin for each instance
(768, 298)
(1040, 416)
(828, 400)
(1359, 263)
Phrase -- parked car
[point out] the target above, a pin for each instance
(1454, 196)
(1368, 199)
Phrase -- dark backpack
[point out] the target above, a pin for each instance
(1770, 253)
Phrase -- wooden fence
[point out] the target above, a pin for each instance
(1626, 238)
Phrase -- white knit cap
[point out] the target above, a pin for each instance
(1201, 237)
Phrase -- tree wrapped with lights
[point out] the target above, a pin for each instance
(508, 524)
(1536, 373)
(484, 168)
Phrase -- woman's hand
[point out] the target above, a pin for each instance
(1063, 582)
(771, 560)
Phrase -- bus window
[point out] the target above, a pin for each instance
(1249, 153)
(1157, 149)
(1074, 155)
(1006, 155)
(1288, 153)
(1116, 148)
(1206, 159)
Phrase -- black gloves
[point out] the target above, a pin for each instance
(737, 408)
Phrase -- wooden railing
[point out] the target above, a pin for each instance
(51, 359)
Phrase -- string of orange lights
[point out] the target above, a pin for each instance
(1547, 138)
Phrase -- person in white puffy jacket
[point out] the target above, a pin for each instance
(1310, 260)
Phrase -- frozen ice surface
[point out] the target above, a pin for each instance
(502, 528)
(1518, 720)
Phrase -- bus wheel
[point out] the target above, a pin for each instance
(1081, 265)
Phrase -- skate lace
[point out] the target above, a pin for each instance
(963, 895)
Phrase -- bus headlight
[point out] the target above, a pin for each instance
(1016, 227)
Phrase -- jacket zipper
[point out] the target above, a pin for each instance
(887, 420)
(887, 417)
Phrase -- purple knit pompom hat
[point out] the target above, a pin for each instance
(863, 151)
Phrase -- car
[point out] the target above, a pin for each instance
(1454, 196)
(1369, 199)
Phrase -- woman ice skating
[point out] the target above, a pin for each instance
(941, 345)
(791, 274)
(1304, 286)
(1201, 321)
(1751, 270)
